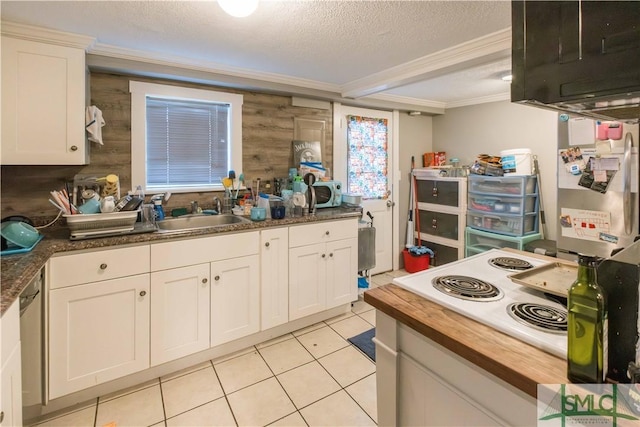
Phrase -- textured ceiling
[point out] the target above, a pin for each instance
(332, 44)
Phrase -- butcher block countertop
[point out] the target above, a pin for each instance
(517, 363)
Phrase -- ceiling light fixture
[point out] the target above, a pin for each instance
(239, 8)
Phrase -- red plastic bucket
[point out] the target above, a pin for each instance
(413, 263)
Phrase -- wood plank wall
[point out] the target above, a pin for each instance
(267, 132)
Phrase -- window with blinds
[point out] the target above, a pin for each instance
(184, 139)
(187, 143)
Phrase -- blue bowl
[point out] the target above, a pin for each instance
(19, 233)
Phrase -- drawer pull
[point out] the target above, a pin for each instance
(331, 254)
(143, 293)
(74, 148)
(1, 416)
(434, 192)
(324, 255)
(326, 232)
(434, 223)
(216, 278)
(267, 244)
(204, 280)
(103, 266)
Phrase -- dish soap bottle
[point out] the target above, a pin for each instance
(586, 326)
(157, 206)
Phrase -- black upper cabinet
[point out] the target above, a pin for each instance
(574, 51)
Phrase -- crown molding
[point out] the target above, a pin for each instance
(159, 59)
(409, 101)
(506, 96)
(44, 35)
(491, 47)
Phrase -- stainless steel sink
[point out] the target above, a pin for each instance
(188, 222)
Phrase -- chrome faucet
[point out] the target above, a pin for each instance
(218, 204)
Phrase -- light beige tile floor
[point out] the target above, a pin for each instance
(311, 377)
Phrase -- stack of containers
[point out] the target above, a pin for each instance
(502, 212)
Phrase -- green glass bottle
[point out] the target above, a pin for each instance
(586, 326)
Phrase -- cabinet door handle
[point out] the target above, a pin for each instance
(143, 293)
(216, 278)
(326, 232)
(331, 255)
(103, 266)
(324, 255)
(1, 416)
(267, 244)
(204, 280)
(74, 148)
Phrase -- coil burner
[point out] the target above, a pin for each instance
(468, 288)
(539, 316)
(510, 264)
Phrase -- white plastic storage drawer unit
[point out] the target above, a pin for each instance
(503, 204)
(478, 241)
(510, 225)
(506, 205)
(517, 186)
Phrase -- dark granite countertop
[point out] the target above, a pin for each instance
(16, 271)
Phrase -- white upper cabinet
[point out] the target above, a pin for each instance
(43, 104)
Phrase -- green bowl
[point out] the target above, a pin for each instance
(19, 233)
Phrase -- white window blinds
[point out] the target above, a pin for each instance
(187, 143)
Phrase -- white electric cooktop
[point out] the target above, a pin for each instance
(497, 295)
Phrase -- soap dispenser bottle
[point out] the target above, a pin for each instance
(157, 206)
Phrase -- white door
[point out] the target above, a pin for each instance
(364, 162)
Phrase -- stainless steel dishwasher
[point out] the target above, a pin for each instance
(31, 327)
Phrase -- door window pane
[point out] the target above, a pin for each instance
(367, 160)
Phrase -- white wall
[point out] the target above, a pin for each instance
(465, 132)
(416, 136)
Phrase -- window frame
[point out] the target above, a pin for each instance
(139, 93)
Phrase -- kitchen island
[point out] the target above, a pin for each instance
(472, 373)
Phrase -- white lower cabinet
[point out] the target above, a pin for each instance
(274, 274)
(114, 312)
(180, 303)
(342, 263)
(235, 298)
(421, 383)
(11, 372)
(97, 332)
(323, 274)
(445, 406)
(307, 280)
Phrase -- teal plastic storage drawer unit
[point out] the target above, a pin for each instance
(515, 186)
(509, 225)
(477, 241)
